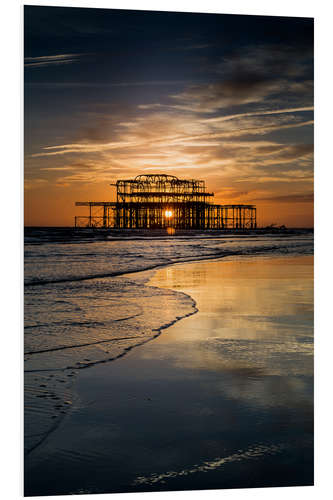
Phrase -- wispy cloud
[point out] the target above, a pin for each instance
(57, 59)
(55, 169)
(153, 134)
(245, 90)
(220, 119)
(82, 148)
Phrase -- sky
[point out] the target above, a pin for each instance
(110, 94)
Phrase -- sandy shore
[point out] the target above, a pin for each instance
(222, 399)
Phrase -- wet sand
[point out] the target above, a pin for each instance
(222, 399)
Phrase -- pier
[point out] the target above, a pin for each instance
(158, 201)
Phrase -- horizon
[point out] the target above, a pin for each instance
(228, 230)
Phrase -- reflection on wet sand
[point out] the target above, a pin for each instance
(254, 315)
(250, 347)
(255, 323)
(221, 399)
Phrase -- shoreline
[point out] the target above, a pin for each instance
(262, 252)
(151, 358)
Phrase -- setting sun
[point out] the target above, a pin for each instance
(168, 213)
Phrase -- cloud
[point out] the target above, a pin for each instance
(296, 151)
(240, 90)
(249, 76)
(54, 169)
(290, 198)
(270, 60)
(170, 129)
(81, 148)
(227, 150)
(34, 183)
(58, 59)
(234, 92)
(220, 119)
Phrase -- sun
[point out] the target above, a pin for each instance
(168, 213)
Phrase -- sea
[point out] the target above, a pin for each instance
(87, 301)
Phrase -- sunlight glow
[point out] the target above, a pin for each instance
(168, 213)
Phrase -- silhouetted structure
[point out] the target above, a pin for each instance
(162, 201)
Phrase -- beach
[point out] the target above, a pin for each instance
(219, 395)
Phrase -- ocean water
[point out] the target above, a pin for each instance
(87, 302)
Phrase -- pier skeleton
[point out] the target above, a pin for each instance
(164, 201)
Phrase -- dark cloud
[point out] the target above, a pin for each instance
(296, 151)
(243, 88)
(289, 198)
(255, 74)
(273, 61)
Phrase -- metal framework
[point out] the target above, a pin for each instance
(164, 201)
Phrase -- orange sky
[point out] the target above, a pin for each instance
(133, 95)
(55, 207)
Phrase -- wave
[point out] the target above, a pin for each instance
(55, 351)
(251, 453)
(142, 262)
